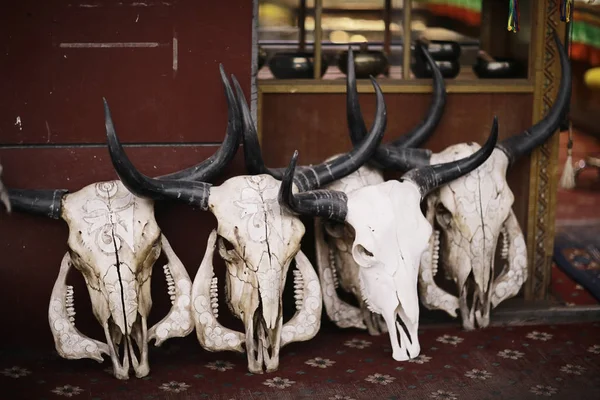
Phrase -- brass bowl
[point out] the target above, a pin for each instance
(298, 65)
(366, 63)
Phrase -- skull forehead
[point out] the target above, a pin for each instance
(366, 175)
(249, 216)
(481, 194)
(389, 208)
(104, 217)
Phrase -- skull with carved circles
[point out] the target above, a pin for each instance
(114, 242)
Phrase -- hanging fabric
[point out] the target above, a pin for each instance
(513, 16)
(566, 10)
(567, 179)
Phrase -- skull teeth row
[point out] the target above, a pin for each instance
(436, 252)
(504, 243)
(214, 296)
(170, 283)
(333, 268)
(298, 289)
(362, 292)
(70, 303)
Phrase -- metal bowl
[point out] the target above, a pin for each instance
(443, 50)
(298, 65)
(366, 63)
(449, 69)
(500, 68)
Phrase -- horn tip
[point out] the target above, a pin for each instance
(293, 161)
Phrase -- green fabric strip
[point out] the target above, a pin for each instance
(473, 5)
(586, 33)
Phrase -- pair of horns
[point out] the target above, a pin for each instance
(386, 155)
(186, 184)
(333, 204)
(392, 156)
(311, 177)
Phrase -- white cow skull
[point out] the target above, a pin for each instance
(390, 234)
(114, 241)
(257, 238)
(335, 262)
(472, 213)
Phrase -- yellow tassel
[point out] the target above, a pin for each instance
(567, 180)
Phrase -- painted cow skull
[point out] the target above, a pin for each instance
(114, 242)
(471, 214)
(257, 238)
(336, 264)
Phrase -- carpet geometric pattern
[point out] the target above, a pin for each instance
(527, 362)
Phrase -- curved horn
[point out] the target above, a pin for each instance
(214, 165)
(190, 192)
(398, 155)
(429, 177)
(329, 204)
(522, 143)
(40, 202)
(311, 177)
(419, 133)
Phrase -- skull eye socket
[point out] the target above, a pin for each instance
(227, 245)
(335, 229)
(443, 216)
(363, 257)
(226, 249)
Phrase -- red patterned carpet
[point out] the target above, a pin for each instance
(531, 362)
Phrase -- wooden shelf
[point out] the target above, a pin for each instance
(292, 86)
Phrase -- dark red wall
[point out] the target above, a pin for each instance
(57, 94)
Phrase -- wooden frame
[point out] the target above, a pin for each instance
(544, 78)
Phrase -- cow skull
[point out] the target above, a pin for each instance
(114, 241)
(390, 234)
(472, 214)
(257, 239)
(336, 265)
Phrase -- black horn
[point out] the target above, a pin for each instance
(310, 177)
(194, 193)
(329, 204)
(399, 155)
(430, 177)
(40, 202)
(524, 142)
